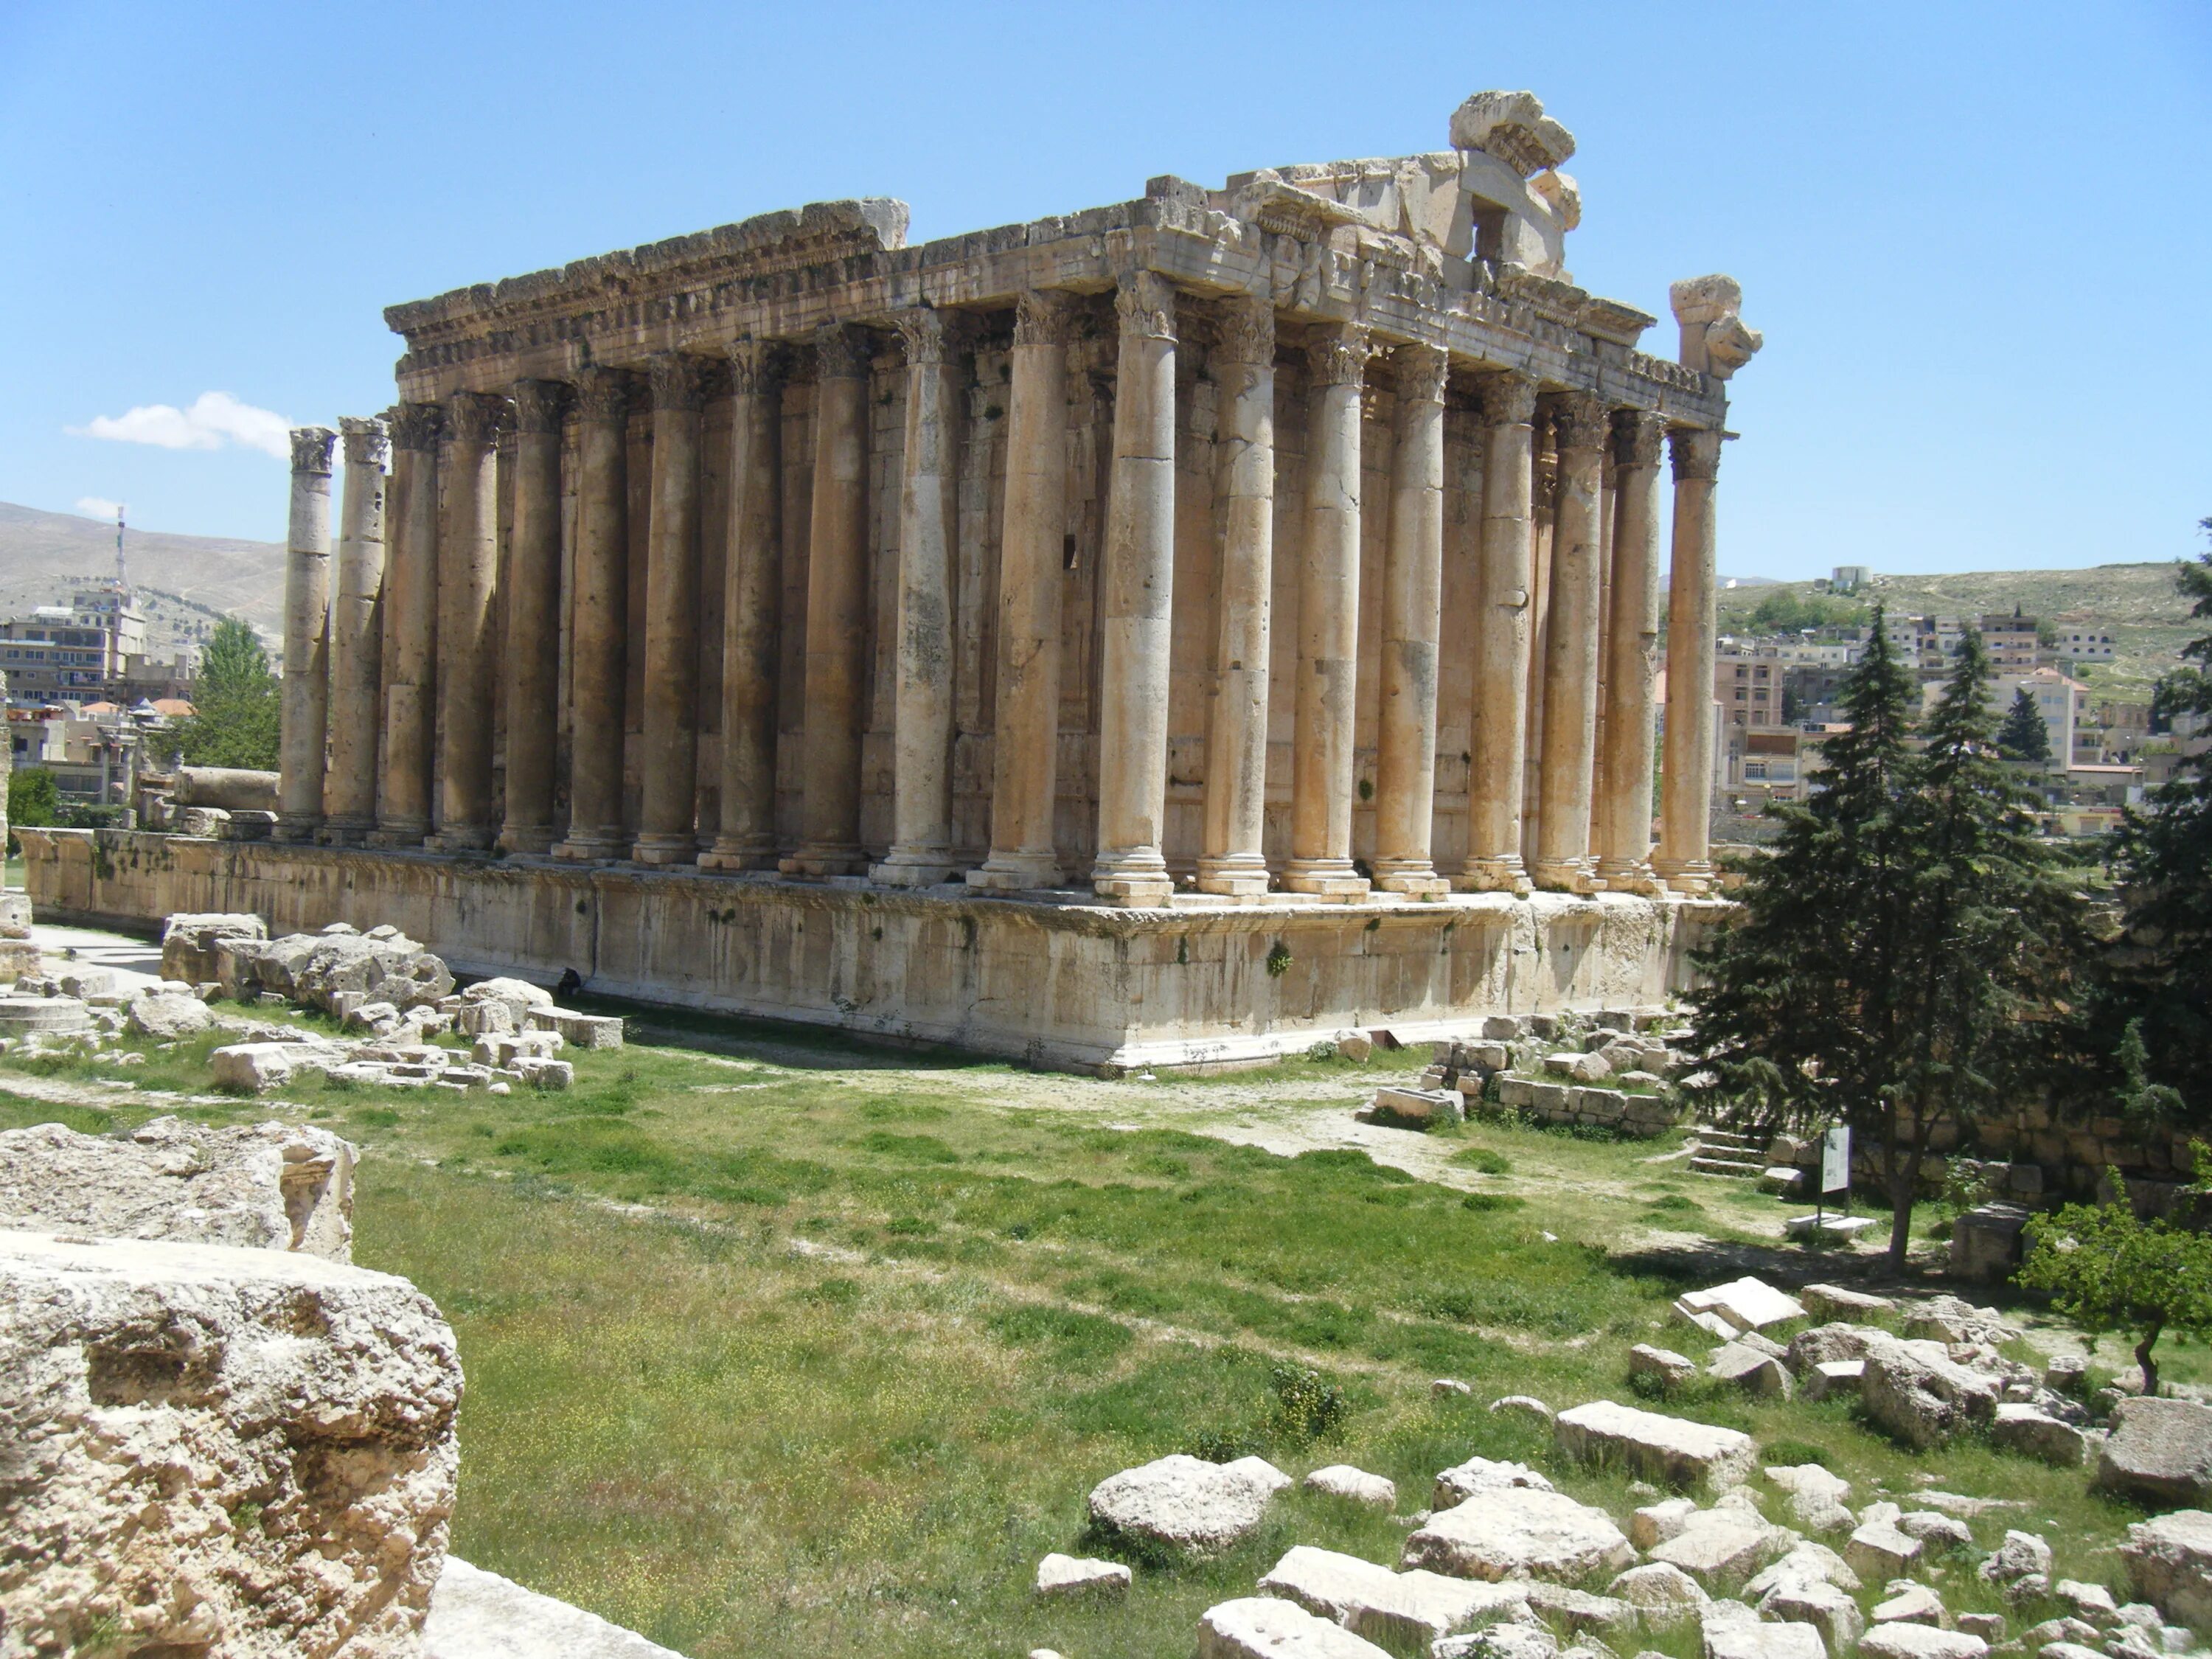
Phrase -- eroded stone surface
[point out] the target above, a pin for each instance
(1463, 1481)
(2161, 1450)
(475, 1615)
(1659, 1448)
(1186, 1504)
(1903, 1641)
(1520, 1532)
(1263, 1627)
(2170, 1565)
(1355, 1485)
(1068, 1574)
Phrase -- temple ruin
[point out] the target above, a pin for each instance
(1165, 634)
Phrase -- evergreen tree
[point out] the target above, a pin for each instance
(2024, 736)
(236, 704)
(2161, 968)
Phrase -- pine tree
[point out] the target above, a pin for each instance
(2024, 736)
(235, 702)
(2161, 971)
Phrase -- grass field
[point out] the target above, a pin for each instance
(795, 1348)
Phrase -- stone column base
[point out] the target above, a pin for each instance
(460, 838)
(1630, 876)
(819, 860)
(1693, 877)
(1568, 876)
(740, 855)
(345, 832)
(591, 849)
(1415, 877)
(664, 850)
(1325, 877)
(297, 830)
(1138, 877)
(1237, 875)
(1016, 873)
(526, 838)
(1496, 875)
(393, 836)
(913, 866)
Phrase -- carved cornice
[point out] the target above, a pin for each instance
(368, 441)
(678, 380)
(605, 394)
(1144, 303)
(1696, 455)
(1420, 370)
(1509, 399)
(1337, 355)
(475, 417)
(1041, 317)
(540, 405)
(924, 332)
(311, 448)
(840, 352)
(416, 426)
(1245, 330)
(1578, 421)
(1636, 436)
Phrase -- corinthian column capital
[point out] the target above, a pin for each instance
(1337, 355)
(756, 366)
(416, 426)
(679, 380)
(1421, 370)
(1636, 436)
(1247, 332)
(605, 394)
(311, 448)
(927, 334)
(1144, 302)
(475, 417)
(840, 352)
(1578, 421)
(540, 405)
(368, 441)
(1696, 455)
(1509, 399)
(1040, 318)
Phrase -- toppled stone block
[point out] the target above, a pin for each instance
(1754, 1372)
(1655, 1523)
(1806, 1563)
(164, 1016)
(1989, 1627)
(154, 1392)
(272, 1187)
(1421, 1106)
(1662, 1595)
(1186, 1504)
(1903, 1641)
(1519, 1532)
(1671, 1369)
(1948, 1319)
(1721, 1548)
(1816, 1497)
(547, 1074)
(1922, 1399)
(1461, 1481)
(475, 1615)
(1068, 1574)
(1749, 1303)
(1263, 1627)
(1354, 1485)
(2021, 1555)
(2161, 1450)
(2169, 1563)
(2091, 1601)
(1840, 1302)
(1909, 1603)
(583, 1030)
(1522, 1404)
(1732, 1631)
(258, 1066)
(1880, 1549)
(1833, 1612)
(1670, 1450)
(1986, 1242)
(1405, 1612)
(2032, 1433)
(1936, 1531)
(505, 1049)
(1834, 1376)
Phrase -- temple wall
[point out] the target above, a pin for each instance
(1085, 988)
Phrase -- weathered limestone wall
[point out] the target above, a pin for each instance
(1073, 986)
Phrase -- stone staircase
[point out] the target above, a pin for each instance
(1727, 1155)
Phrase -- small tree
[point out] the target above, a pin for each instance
(33, 798)
(2107, 1271)
(236, 719)
(2024, 736)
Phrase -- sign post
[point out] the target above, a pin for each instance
(1835, 1172)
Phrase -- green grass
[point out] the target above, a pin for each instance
(888, 1319)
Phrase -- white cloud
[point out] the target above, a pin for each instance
(93, 507)
(215, 419)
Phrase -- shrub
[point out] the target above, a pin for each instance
(1307, 1406)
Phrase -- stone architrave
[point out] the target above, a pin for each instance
(837, 610)
(1026, 722)
(599, 636)
(1137, 582)
(921, 757)
(1623, 808)
(532, 649)
(1323, 756)
(468, 590)
(1687, 777)
(1243, 361)
(411, 628)
(1413, 598)
(1569, 724)
(1501, 643)
(357, 643)
(668, 801)
(306, 635)
(752, 595)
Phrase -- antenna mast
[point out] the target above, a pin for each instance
(122, 569)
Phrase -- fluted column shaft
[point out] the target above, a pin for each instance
(598, 647)
(1323, 756)
(356, 645)
(1502, 640)
(1624, 817)
(753, 608)
(1412, 599)
(1025, 723)
(921, 754)
(532, 649)
(468, 589)
(1570, 725)
(1137, 589)
(305, 710)
(1236, 806)
(1686, 789)
(836, 610)
(668, 799)
(411, 628)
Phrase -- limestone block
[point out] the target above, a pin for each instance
(86, 983)
(1461, 1481)
(2032, 1433)
(1948, 1319)
(1655, 1523)
(271, 1187)
(1499, 1641)
(1356, 1486)
(1834, 1613)
(1670, 1368)
(1903, 1641)
(1580, 1611)
(1068, 1574)
(1448, 1388)
(257, 1066)
(1989, 1627)
(1834, 1376)
(2067, 1374)
(1327, 1583)
(22, 1017)
(1909, 1603)
(1806, 1562)
(1522, 1404)
(1722, 1548)
(2021, 1555)
(1582, 1068)
(583, 1030)
(1416, 1610)
(1936, 1532)
(2091, 1601)
(1422, 1106)
(1671, 1450)
(1840, 1302)
(1662, 1593)
(1986, 1242)
(1923, 1400)
(548, 1074)
(2169, 1562)
(1186, 1504)
(1732, 1631)
(1749, 1303)
(475, 1615)
(1263, 1627)
(242, 1451)
(1519, 1533)
(1816, 1497)
(1878, 1549)
(164, 1016)
(2161, 1451)
(1754, 1372)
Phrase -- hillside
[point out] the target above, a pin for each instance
(186, 582)
(2149, 619)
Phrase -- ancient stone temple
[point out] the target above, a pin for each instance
(1168, 633)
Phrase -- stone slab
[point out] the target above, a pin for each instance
(475, 1614)
(1263, 1627)
(1186, 1504)
(1520, 1532)
(2161, 1450)
(1672, 1449)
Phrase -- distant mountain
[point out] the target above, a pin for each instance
(187, 581)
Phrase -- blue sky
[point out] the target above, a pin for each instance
(1979, 238)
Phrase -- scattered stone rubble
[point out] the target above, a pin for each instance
(1606, 1070)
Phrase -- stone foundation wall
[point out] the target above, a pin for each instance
(1067, 985)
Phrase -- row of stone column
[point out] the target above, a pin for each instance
(428, 680)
